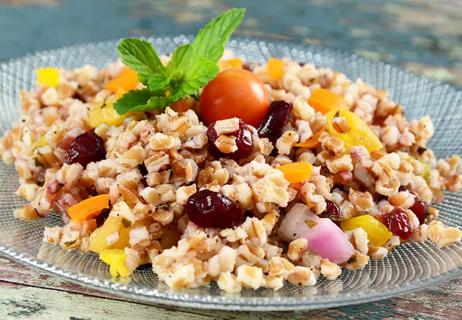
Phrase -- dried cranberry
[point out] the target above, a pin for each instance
(332, 211)
(398, 223)
(275, 120)
(244, 142)
(143, 170)
(420, 209)
(210, 209)
(77, 95)
(85, 148)
(421, 150)
(101, 218)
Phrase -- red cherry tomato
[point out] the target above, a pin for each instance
(234, 93)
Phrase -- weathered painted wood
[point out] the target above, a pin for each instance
(21, 302)
(14, 272)
(25, 302)
(442, 302)
(422, 35)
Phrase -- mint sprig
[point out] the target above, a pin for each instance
(141, 56)
(191, 66)
(133, 100)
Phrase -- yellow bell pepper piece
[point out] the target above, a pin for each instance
(426, 171)
(47, 77)
(296, 171)
(377, 233)
(99, 237)
(106, 114)
(88, 208)
(275, 69)
(115, 258)
(119, 94)
(323, 100)
(232, 63)
(126, 80)
(357, 132)
(40, 142)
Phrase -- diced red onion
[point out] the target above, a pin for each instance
(328, 241)
(294, 224)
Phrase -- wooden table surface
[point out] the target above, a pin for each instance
(26, 293)
(421, 35)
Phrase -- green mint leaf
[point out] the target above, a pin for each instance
(154, 102)
(196, 77)
(177, 57)
(141, 56)
(197, 61)
(160, 101)
(158, 84)
(209, 43)
(211, 40)
(143, 78)
(131, 100)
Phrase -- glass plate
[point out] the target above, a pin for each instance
(410, 267)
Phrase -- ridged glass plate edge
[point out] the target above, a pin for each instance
(183, 299)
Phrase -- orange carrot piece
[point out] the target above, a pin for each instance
(311, 142)
(126, 80)
(297, 171)
(323, 100)
(183, 105)
(89, 208)
(232, 63)
(275, 69)
(296, 185)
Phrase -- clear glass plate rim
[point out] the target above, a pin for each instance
(231, 302)
(279, 43)
(227, 302)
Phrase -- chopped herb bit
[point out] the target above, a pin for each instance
(310, 223)
(70, 243)
(126, 223)
(38, 163)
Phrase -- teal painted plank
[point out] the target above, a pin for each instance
(422, 35)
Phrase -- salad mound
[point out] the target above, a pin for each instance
(213, 168)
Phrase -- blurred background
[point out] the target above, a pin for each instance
(424, 36)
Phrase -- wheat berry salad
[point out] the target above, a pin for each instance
(211, 168)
